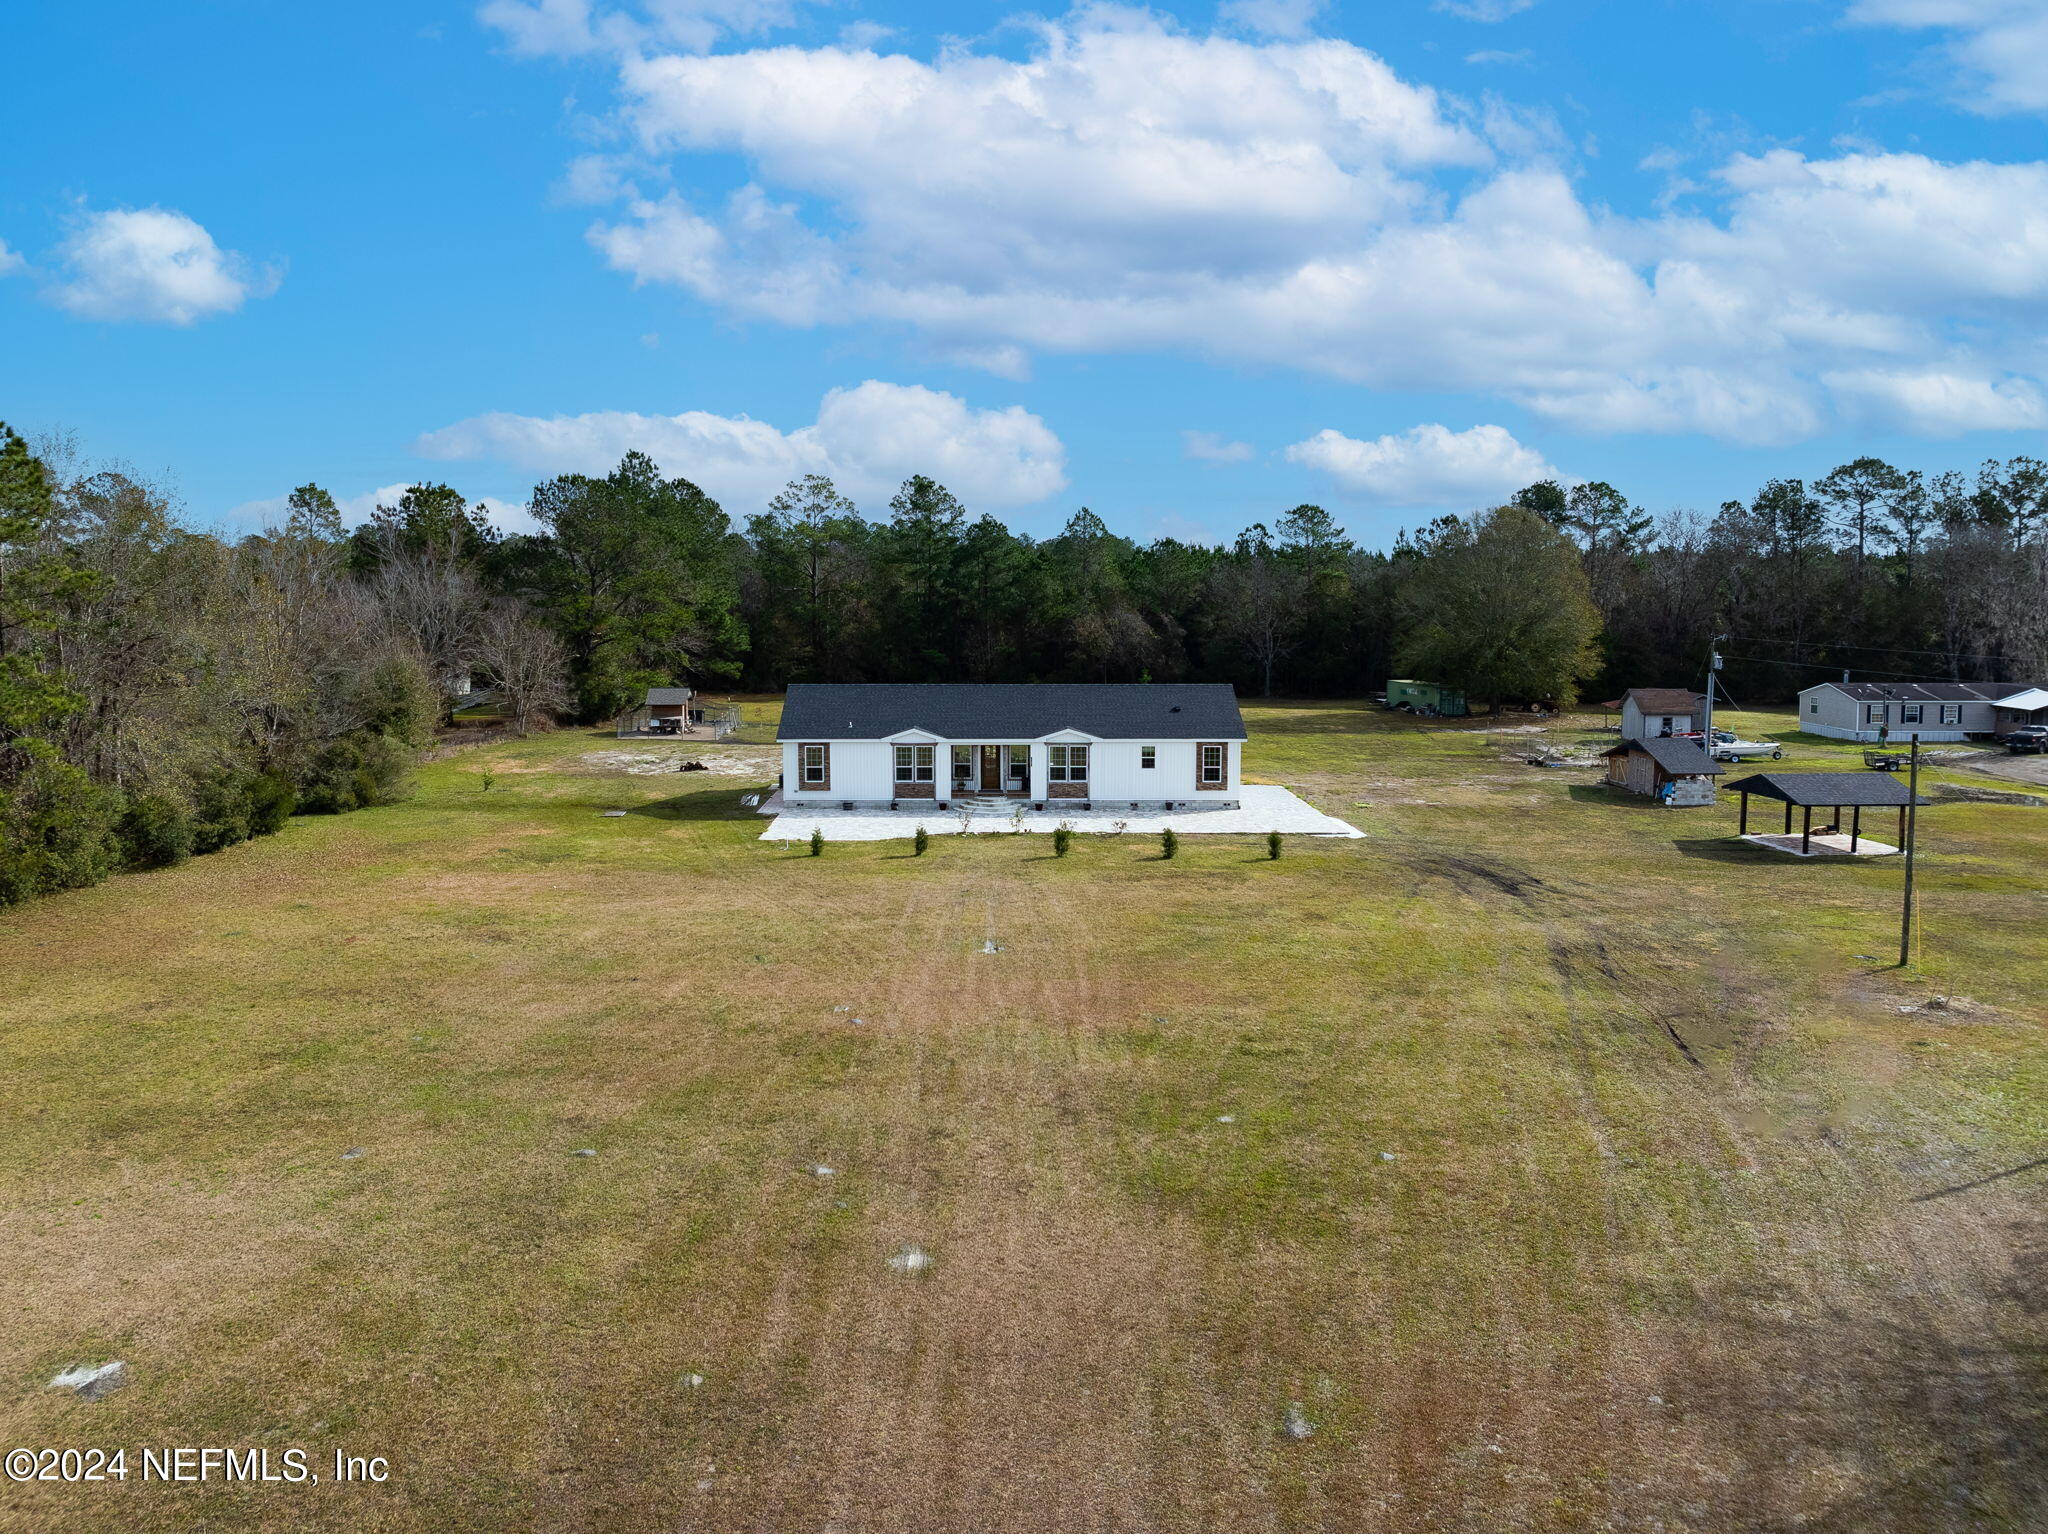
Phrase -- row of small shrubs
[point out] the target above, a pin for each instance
(156, 831)
(1062, 842)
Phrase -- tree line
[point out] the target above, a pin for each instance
(1560, 593)
(165, 690)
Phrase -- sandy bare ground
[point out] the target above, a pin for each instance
(641, 760)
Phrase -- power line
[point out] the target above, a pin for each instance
(1867, 671)
(1813, 644)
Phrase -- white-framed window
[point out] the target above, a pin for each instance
(914, 764)
(1212, 759)
(1951, 713)
(1909, 713)
(1148, 756)
(814, 766)
(1066, 764)
(1020, 766)
(1813, 707)
(963, 764)
(1873, 713)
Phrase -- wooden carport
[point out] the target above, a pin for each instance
(1808, 791)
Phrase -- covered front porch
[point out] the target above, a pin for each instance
(989, 769)
(951, 770)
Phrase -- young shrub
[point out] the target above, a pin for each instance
(817, 841)
(329, 783)
(386, 776)
(1273, 845)
(271, 802)
(922, 840)
(1169, 843)
(220, 812)
(1062, 840)
(57, 830)
(155, 832)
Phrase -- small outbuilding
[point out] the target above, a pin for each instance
(1426, 698)
(1831, 791)
(1677, 773)
(666, 711)
(1652, 713)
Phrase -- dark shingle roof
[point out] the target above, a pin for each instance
(1665, 700)
(1925, 692)
(1680, 758)
(1011, 710)
(1832, 789)
(668, 695)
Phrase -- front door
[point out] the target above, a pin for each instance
(991, 769)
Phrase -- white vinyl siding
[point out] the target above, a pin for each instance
(1827, 710)
(1111, 770)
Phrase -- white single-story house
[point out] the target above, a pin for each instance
(1098, 744)
(1650, 713)
(1919, 710)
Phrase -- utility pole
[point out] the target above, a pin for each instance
(1713, 665)
(1912, 827)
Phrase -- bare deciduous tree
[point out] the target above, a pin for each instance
(527, 664)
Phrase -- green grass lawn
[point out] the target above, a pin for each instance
(1568, 1162)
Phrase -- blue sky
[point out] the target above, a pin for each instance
(1188, 266)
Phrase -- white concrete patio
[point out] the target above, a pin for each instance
(1829, 846)
(1264, 807)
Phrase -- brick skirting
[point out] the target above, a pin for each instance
(1066, 790)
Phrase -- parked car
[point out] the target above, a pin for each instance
(1729, 747)
(2027, 739)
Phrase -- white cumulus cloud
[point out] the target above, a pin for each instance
(1485, 10)
(533, 27)
(10, 261)
(867, 439)
(1209, 447)
(151, 264)
(1426, 466)
(1128, 186)
(1275, 18)
(1940, 404)
(1998, 48)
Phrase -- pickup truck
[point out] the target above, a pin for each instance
(2028, 738)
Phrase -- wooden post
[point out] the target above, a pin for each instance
(1806, 831)
(1855, 826)
(1744, 828)
(1909, 817)
(1788, 817)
